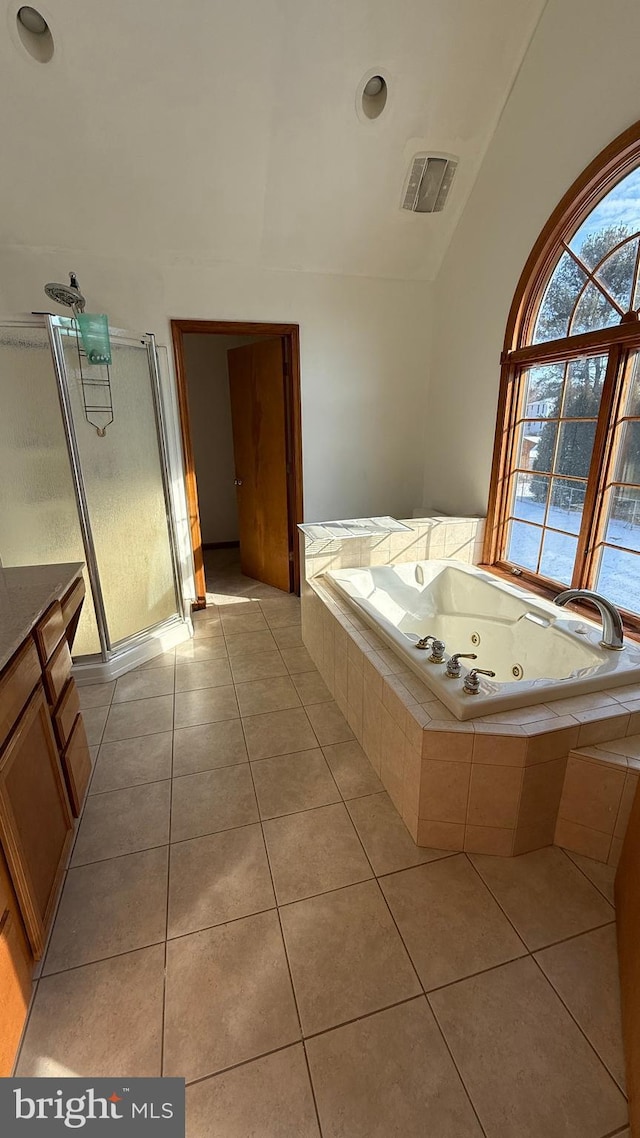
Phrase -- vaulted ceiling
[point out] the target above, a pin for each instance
(227, 130)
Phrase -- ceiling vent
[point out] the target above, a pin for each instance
(428, 183)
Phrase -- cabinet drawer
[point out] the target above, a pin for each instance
(49, 631)
(65, 716)
(76, 764)
(71, 605)
(18, 681)
(57, 672)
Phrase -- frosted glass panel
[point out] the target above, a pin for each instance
(123, 484)
(38, 515)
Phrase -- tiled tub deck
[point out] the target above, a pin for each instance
(491, 785)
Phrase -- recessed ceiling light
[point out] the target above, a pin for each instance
(372, 96)
(32, 21)
(34, 33)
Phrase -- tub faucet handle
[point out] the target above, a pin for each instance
(453, 663)
(472, 683)
(424, 641)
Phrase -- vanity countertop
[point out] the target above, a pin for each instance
(26, 592)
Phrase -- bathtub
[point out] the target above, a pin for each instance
(539, 652)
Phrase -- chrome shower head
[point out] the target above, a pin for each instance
(68, 295)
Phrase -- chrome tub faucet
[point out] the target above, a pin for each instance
(612, 630)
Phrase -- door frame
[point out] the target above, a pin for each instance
(290, 335)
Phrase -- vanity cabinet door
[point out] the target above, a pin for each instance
(16, 967)
(35, 818)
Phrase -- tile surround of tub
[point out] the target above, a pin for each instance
(508, 770)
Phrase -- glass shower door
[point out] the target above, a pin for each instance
(123, 476)
(38, 511)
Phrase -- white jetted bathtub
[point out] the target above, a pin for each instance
(538, 651)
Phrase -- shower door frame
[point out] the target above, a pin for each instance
(112, 650)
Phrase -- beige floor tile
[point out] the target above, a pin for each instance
(249, 644)
(140, 717)
(281, 613)
(203, 674)
(389, 1075)
(385, 837)
(204, 629)
(346, 956)
(329, 723)
(228, 997)
(94, 719)
(544, 895)
(212, 800)
(311, 688)
(195, 651)
(296, 658)
(144, 685)
(218, 878)
(314, 851)
(237, 623)
(123, 821)
(104, 1017)
(449, 921)
(278, 733)
(584, 973)
(276, 693)
(96, 695)
(268, 1098)
(601, 875)
(109, 908)
(289, 637)
(528, 1069)
(352, 770)
(129, 762)
(287, 783)
(206, 705)
(262, 666)
(207, 746)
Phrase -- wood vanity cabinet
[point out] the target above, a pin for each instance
(16, 965)
(35, 817)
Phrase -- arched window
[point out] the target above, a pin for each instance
(565, 496)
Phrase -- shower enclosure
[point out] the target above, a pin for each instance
(106, 493)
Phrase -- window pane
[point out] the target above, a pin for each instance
(633, 401)
(574, 448)
(593, 311)
(628, 463)
(616, 274)
(543, 388)
(530, 499)
(536, 447)
(617, 215)
(567, 502)
(558, 556)
(523, 546)
(585, 379)
(623, 524)
(619, 578)
(559, 299)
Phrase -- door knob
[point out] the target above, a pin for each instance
(238, 481)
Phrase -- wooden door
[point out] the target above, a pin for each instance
(628, 922)
(258, 414)
(35, 818)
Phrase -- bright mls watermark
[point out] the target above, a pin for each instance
(132, 1108)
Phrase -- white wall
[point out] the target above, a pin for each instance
(364, 352)
(207, 376)
(577, 89)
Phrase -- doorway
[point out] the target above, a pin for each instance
(239, 399)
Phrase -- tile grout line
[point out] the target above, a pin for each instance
(284, 947)
(567, 854)
(166, 923)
